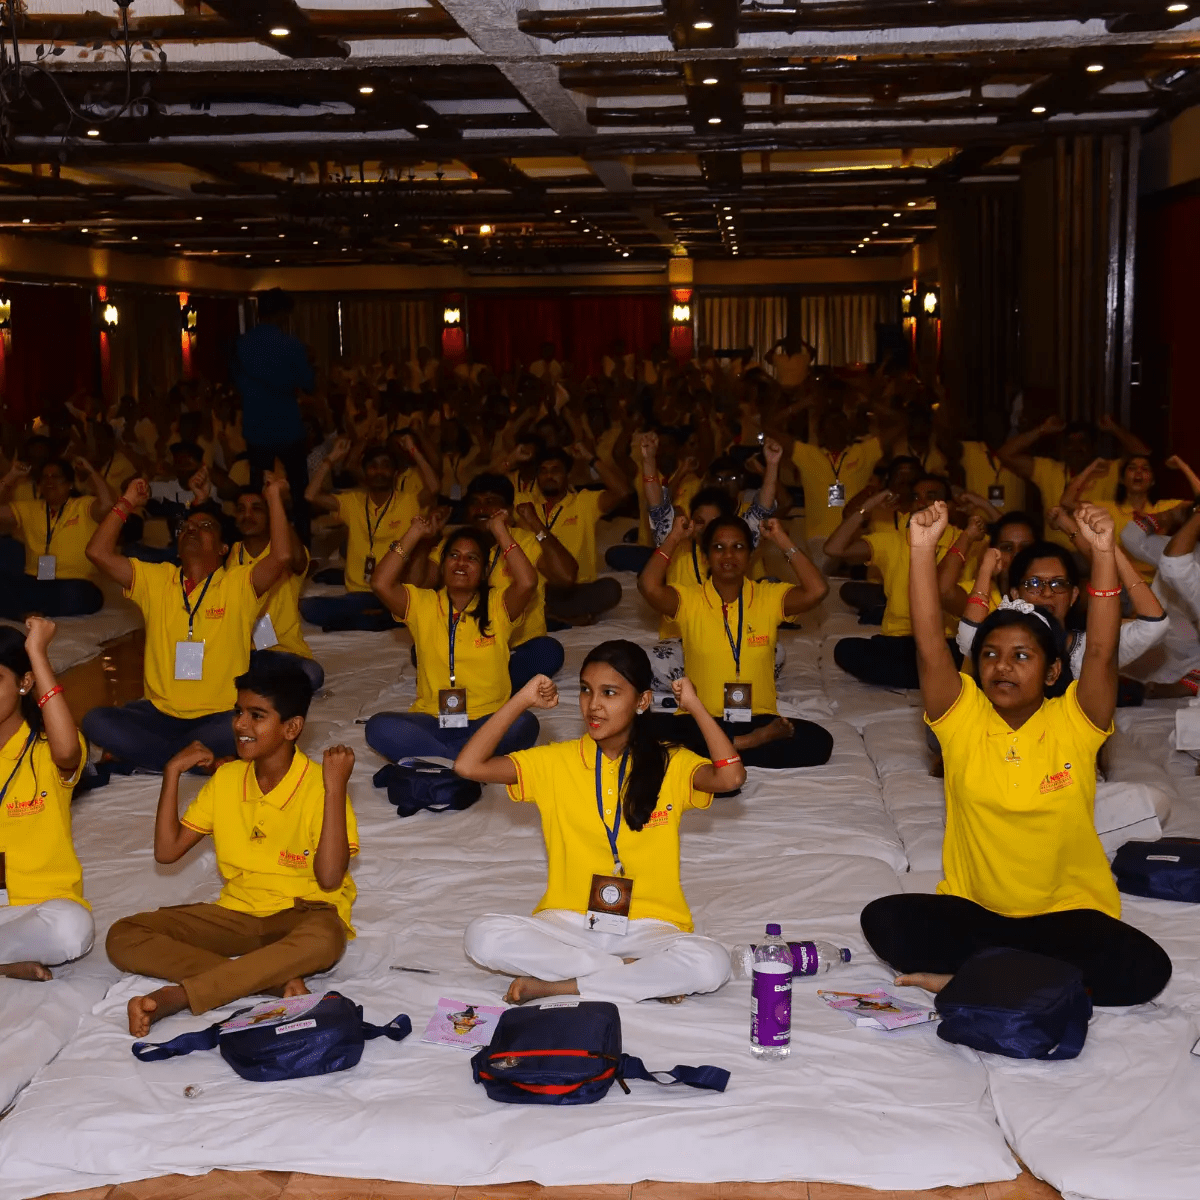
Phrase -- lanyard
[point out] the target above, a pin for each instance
(736, 647)
(453, 621)
(193, 609)
(611, 831)
(696, 565)
(994, 463)
(51, 528)
(837, 469)
(492, 560)
(548, 522)
(372, 533)
(29, 742)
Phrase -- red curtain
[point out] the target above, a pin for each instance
(507, 328)
(216, 330)
(51, 354)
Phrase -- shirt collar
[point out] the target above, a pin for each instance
(285, 789)
(11, 750)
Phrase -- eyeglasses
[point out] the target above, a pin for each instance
(1056, 587)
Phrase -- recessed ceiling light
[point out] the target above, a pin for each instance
(24, 220)
(422, 125)
(277, 260)
(714, 120)
(574, 220)
(874, 232)
(314, 243)
(912, 204)
(727, 208)
(702, 25)
(279, 31)
(853, 251)
(558, 210)
(134, 238)
(895, 214)
(1038, 108)
(484, 230)
(199, 218)
(247, 256)
(84, 229)
(886, 224)
(365, 214)
(178, 244)
(366, 90)
(93, 133)
(709, 80)
(282, 235)
(1177, 8)
(1093, 68)
(624, 253)
(244, 228)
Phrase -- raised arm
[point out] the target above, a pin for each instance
(429, 477)
(1185, 538)
(616, 486)
(652, 582)
(1074, 489)
(950, 569)
(276, 563)
(333, 847)
(17, 472)
(557, 563)
(1098, 674)
(315, 493)
(940, 682)
(1016, 453)
(102, 550)
(846, 541)
(173, 839)
(104, 494)
(524, 577)
(1131, 445)
(388, 578)
(812, 587)
(61, 734)
(772, 453)
(476, 760)
(1175, 463)
(725, 772)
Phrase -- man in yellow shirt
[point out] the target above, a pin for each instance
(58, 580)
(284, 834)
(199, 619)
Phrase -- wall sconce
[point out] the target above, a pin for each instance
(5, 312)
(451, 315)
(188, 318)
(929, 303)
(485, 230)
(681, 314)
(908, 303)
(110, 316)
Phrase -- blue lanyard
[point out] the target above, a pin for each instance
(736, 647)
(192, 609)
(21, 759)
(616, 825)
(372, 534)
(546, 509)
(453, 620)
(51, 528)
(696, 565)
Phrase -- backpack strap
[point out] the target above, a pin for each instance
(397, 1029)
(185, 1043)
(712, 1079)
(1072, 1042)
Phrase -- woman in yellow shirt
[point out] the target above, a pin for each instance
(613, 923)
(461, 630)
(44, 919)
(1022, 863)
(729, 624)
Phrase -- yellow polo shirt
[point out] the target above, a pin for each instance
(560, 779)
(224, 621)
(1051, 478)
(983, 470)
(707, 655)
(573, 521)
(480, 660)
(35, 823)
(532, 622)
(819, 470)
(1122, 514)
(281, 603)
(387, 523)
(688, 567)
(890, 552)
(71, 528)
(1020, 829)
(266, 845)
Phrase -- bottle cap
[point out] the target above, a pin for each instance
(845, 954)
(772, 930)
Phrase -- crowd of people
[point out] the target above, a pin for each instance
(1026, 582)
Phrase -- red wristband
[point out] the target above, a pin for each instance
(665, 557)
(956, 550)
(650, 479)
(511, 547)
(122, 510)
(726, 762)
(56, 690)
(1103, 593)
(980, 599)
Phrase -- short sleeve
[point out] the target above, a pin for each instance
(343, 506)
(689, 598)
(589, 506)
(964, 712)
(415, 612)
(200, 813)
(531, 774)
(22, 511)
(803, 455)
(681, 779)
(242, 585)
(148, 582)
(777, 593)
(1091, 737)
(317, 817)
(879, 543)
(1047, 477)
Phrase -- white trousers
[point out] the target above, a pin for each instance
(50, 933)
(556, 944)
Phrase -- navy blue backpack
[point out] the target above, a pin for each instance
(1168, 869)
(1015, 1003)
(284, 1039)
(569, 1052)
(415, 784)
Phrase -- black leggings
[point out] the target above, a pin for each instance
(884, 661)
(809, 746)
(918, 932)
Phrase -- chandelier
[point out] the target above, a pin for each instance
(25, 102)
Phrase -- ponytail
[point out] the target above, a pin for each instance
(648, 757)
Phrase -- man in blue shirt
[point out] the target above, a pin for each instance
(269, 367)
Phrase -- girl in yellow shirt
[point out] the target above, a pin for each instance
(613, 923)
(1023, 864)
(44, 919)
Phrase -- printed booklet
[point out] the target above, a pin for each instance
(878, 1009)
(456, 1023)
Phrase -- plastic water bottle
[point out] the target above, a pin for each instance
(771, 998)
(808, 958)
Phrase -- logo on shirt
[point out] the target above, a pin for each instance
(288, 858)
(214, 614)
(26, 808)
(660, 816)
(482, 643)
(1057, 781)
(73, 521)
(758, 639)
(571, 521)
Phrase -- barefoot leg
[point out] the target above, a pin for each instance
(526, 987)
(25, 970)
(144, 1011)
(924, 979)
(295, 987)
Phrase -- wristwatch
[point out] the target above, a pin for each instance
(541, 535)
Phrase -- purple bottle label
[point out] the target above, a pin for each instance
(771, 1004)
(804, 958)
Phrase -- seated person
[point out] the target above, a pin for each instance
(572, 517)
(44, 919)
(1023, 864)
(284, 908)
(199, 622)
(171, 499)
(277, 629)
(889, 659)
(729, 625)
(1007, 537)
(375, 516)
(462, 630)
(664, 473)
(644, 787)
(58, 580)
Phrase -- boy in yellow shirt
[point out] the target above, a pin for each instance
(283, 833)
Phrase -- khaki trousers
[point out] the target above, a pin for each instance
(195, 945)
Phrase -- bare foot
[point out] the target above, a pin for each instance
(779, 728)
(295, 987)
(670, 999)
(25, 970)
(924, 979)
(526, 987)
(144, 1011)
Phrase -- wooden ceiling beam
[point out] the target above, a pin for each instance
(259, 17)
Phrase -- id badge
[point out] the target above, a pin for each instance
(3, 881)
(456, 491)
(737, 703)
(837, 495)
(452, 708)
(368, 567)
(996, 493)
(189, 660)
(608, 904)
(264, 633)
(47, 566)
